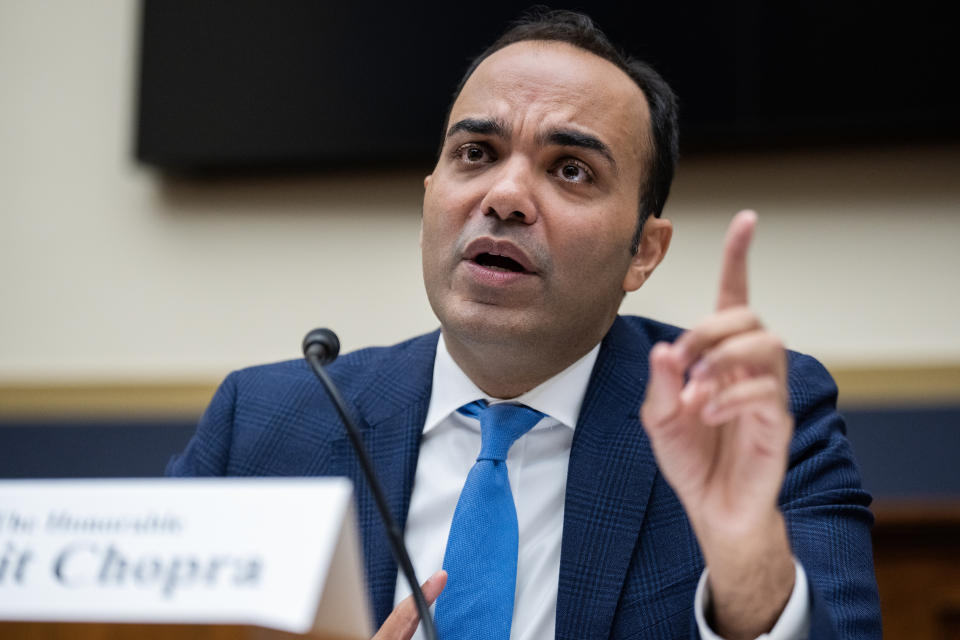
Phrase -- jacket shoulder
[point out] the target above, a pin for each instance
(276, 419)
(351, 371)
(637, 332)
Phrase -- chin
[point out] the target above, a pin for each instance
(489, 325)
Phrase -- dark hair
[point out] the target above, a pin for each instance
(577, 29)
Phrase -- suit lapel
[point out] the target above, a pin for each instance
(610, 476)
(391, 408)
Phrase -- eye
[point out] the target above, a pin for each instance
(473, 153)
(572, 170)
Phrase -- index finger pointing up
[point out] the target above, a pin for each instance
(733, 278)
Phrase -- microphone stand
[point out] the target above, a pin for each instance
(320, 347)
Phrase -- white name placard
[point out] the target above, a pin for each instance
(277, 553)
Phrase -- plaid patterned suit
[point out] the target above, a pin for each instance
(629, 562)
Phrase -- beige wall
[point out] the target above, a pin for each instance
(111, 273)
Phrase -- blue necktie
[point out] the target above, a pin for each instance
(481, 555)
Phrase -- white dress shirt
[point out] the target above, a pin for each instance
(537, 468)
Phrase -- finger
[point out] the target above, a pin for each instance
(733, 277)
(717, 327)
(434, 586)
(758, 396)
(756, 352)
(664, 385)
(696, 393)
(402, 622)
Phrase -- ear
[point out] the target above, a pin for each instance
(426, 185)
(654, 242)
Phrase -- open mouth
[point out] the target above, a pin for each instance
(499, 263)
(501, 259)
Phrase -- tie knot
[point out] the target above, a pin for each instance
(500, 426)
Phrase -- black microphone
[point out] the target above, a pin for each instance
(321, 347)
(322, 344)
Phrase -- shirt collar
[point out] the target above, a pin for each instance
(560, 397)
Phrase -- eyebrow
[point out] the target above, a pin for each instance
(481, 126)
(574, 138)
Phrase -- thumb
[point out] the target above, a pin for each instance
(403, 621)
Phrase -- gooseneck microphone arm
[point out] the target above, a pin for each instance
(321, 347)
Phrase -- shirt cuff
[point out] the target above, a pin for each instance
(794, 621)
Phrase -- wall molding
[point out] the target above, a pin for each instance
(881, 386)
(113, 400)
(898, 385)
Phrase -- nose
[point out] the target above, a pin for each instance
(511, 195)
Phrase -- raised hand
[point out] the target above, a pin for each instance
(716, 414)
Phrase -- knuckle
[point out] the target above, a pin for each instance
(775, 342)
(659, 353)
(767, 348)
(770, 387)
(648, 417)
(746, 315)
(741, 318)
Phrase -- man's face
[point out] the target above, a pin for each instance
(529, 214)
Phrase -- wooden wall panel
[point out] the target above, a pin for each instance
(917, 557)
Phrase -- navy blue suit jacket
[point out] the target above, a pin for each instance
(629, 559)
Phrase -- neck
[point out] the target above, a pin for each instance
(504, 371)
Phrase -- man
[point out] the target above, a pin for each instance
(542, 212)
